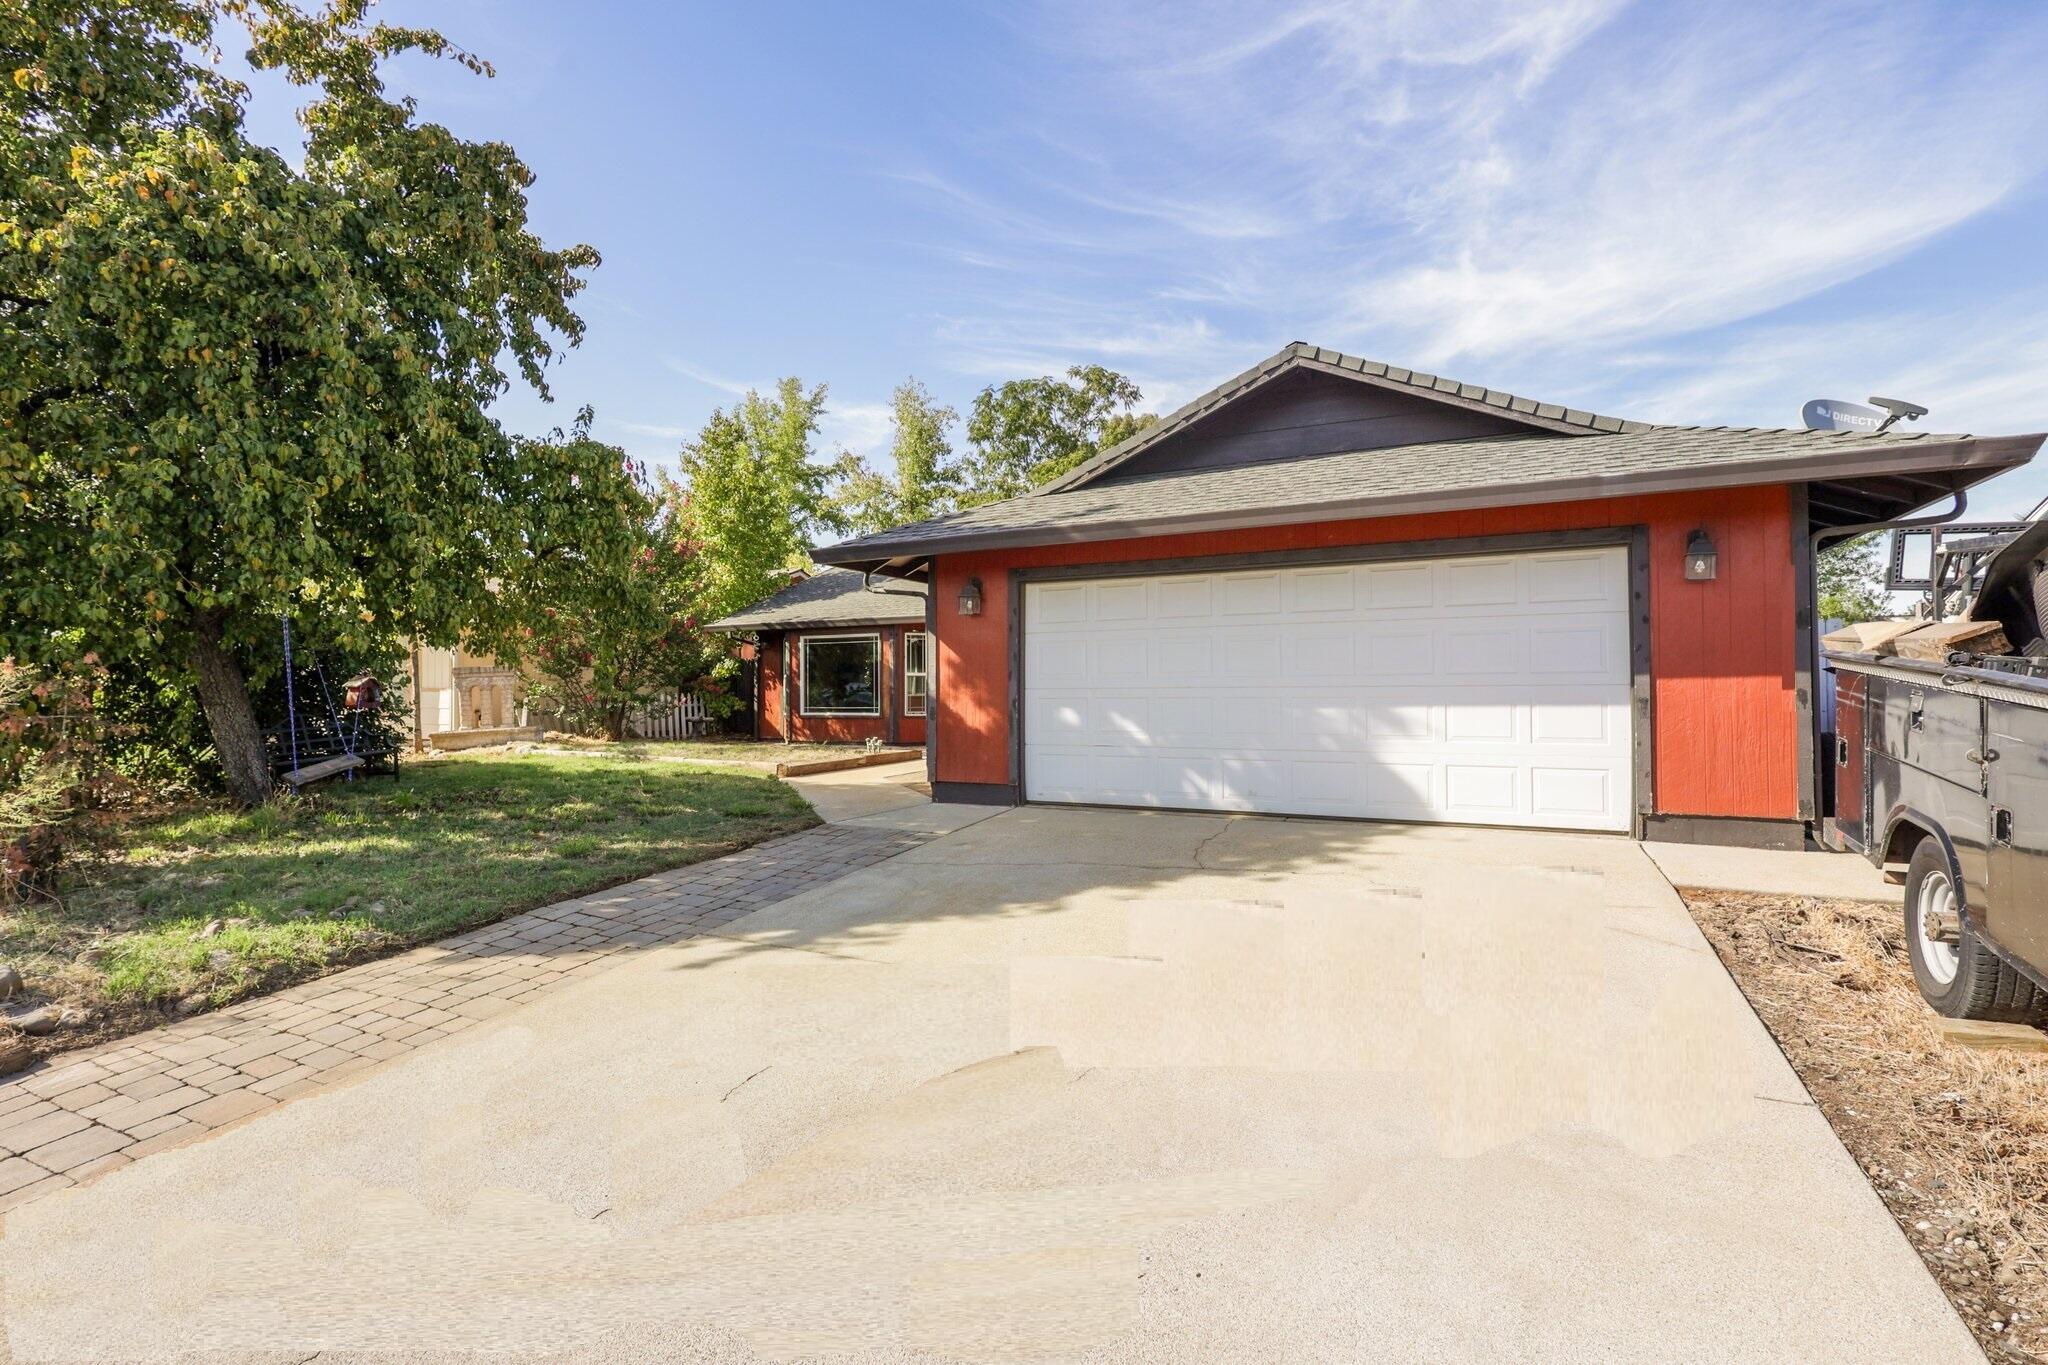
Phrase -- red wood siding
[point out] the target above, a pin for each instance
(835, 729)
(1722, 654)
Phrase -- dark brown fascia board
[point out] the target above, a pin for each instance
(1332, 362)
(1301, 356)
(1980, 456)
(1180, 417)
(914, 568)
(732, 626)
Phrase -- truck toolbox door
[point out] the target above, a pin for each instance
(2017, 914)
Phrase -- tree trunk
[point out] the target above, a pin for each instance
(224, 697)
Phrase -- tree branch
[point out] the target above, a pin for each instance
(55, 393)
(22, 302)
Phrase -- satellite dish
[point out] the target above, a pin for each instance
(1900, 408)
(1832, 414)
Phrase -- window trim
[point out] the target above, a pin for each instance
(803, 680)
(924, 671)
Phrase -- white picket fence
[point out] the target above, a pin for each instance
(675, 715)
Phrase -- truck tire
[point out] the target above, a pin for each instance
(1958, 974)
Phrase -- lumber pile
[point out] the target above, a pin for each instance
(1931, 640)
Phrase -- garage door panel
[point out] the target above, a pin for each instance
(1490, 689)
(1331, 782)
(1183, 598)
(1401, 586)
(1122, 600)
(1245, 654)
(1320, 590)
(1183, 722)
(1250, 594)
(1482, 583)
(1252, 783)
(1056, 604)
(1183, 656)
(1480, 723)
(1145, 778)
(1314, 720)
(1404, 790)
(1481, 791)
(1413, 722)
(1320, 651)
(1596, 649)
(1483, 653)
(1121, 657)
(1118, 721)
(1398, 651)
(1576, 579)
(1058, 719)
(1571, 723)
(1257, 728)
(1570, 792)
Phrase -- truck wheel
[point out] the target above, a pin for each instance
(1957, 973)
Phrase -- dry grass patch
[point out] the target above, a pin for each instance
(1954, 1139)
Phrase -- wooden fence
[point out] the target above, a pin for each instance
(675, 715)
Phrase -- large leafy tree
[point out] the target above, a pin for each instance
(228, 381)
(754, 495)
(1027, 431)
(924, 479)
(625, 629)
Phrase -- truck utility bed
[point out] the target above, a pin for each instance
(1943, 766)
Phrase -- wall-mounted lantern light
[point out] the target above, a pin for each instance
(970, 597)
(1702, 564)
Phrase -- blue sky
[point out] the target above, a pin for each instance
(1690, 213)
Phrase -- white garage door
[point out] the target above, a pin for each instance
(1489, 690)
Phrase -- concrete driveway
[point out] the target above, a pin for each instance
(1059, 1085)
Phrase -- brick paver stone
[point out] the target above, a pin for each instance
(91, 1112)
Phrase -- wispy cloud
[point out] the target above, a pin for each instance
(1990, 382)
(857, 426)
(659, 430)
(863, 428)
(1473, 185)
(705, 377)
(1709, 196)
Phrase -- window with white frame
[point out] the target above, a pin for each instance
(842, 675)
(913, 673)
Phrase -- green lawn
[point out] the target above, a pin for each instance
(358, 869)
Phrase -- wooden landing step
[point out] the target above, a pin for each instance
(1993, 1037)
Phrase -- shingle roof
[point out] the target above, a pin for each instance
(1299, 355)
(829, 597)
(1442, 476)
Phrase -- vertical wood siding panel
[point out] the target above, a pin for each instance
(768, 723)
(974, 670)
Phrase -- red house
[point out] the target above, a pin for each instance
(838, 661)
(1335, 587)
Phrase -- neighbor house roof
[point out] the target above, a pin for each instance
(829, 597)
(1855, 476)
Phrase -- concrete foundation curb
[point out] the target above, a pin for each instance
(809, 767)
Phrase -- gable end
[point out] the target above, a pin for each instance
(1520, 415)
(1309, 412)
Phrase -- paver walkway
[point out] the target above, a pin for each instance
(91, 1111)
